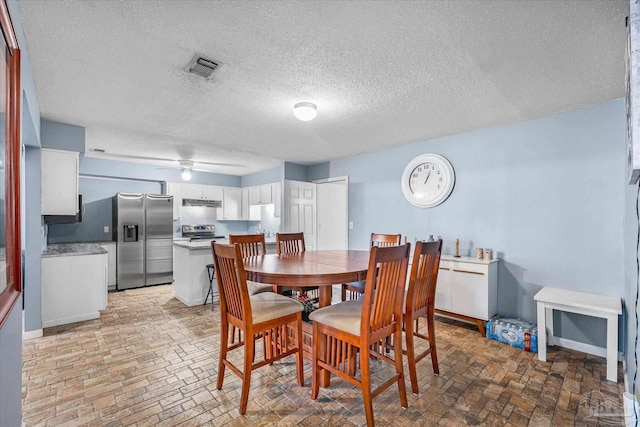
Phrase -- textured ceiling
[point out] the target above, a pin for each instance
(382, 73)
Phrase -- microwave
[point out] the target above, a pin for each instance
(66, 219)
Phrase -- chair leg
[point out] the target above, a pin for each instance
(432, 344)
(315, 370)
(411, 357)
(365, 374)
(224, 345)
(343, 293)
(299, 361)
(397, 350)
(246, 380)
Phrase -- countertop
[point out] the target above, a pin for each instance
(71, 249)
(206, 244)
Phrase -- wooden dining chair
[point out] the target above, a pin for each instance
(351, 291)
(252, 245)
(265, 315)
(352, 330)
(293, 243)
(290, 243)
(420, 302)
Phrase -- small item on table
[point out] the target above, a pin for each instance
(479, 253)
(457, 255)
(431, 239)
(488, 254)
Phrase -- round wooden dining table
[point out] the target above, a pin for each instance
(312, 268)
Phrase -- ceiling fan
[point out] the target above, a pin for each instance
(186, 165)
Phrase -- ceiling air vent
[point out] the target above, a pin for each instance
(201, 66)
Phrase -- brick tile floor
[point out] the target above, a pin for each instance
(149, 360)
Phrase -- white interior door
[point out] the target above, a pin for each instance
(333, 214)
(300, 210)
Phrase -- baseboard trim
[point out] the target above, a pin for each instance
(30, 335)
(71, 319)
(583, 347)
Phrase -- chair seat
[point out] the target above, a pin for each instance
(344, 316)
(258, 288)
(268, 306)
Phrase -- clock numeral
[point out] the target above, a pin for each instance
(440, 179)
(414, 175)
(438, 172)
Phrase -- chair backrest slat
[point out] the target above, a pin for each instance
(290, 243)
(232, 282)
(424, 276)
(385, 240)
(250, 244)
(388, 270)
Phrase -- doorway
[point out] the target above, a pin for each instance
(333, 213)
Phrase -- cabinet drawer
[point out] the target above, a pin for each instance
(464, 267)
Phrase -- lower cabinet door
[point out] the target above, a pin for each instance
(443, 290)
(471, 295)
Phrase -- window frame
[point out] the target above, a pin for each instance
(11, 293)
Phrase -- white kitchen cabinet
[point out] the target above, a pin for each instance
(59, 182)
(111, 264)
(74, 288)
(212, 192)
(262, 194)
(231, 204)
(266, 194)
(202, 192)
(467, 288)
(244, 203)
(175, 189)
(192, 191)
(277, 199)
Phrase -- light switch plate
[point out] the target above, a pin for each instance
(106, 228)
(350, 225)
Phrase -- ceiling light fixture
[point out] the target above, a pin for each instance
(305, 111)
(186, 174)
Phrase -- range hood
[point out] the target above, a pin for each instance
(201, 202)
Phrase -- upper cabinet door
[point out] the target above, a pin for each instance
(59, 184)
(245, 204)
(192, 191)
(231, 204)
(254, 195)
(211, 192)
(266, 196)
(175, 189)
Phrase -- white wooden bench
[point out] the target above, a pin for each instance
(606, 307)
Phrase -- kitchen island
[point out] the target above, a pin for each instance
(190, 277)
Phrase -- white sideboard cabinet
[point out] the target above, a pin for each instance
(467, 289)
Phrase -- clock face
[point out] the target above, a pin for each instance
(428, 180)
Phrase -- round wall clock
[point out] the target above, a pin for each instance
(428, 180)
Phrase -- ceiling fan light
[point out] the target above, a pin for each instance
(305, 111)
(186, 174)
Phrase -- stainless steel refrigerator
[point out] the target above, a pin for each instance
(143, 228)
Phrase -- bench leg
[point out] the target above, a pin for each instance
(549, 319)
(542, 332)
(612, 348)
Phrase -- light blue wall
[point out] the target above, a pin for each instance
(319, 171)
(631, 276)
(295, 172)
(97, 199)
(11, 368)
(33, 242)
(62, 136)
(545, 195)
(115, 169)
(263, 177)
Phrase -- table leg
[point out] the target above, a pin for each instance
(612, 348)
(324, 300)
(325, 296)
(549, 319)
(542, 332)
